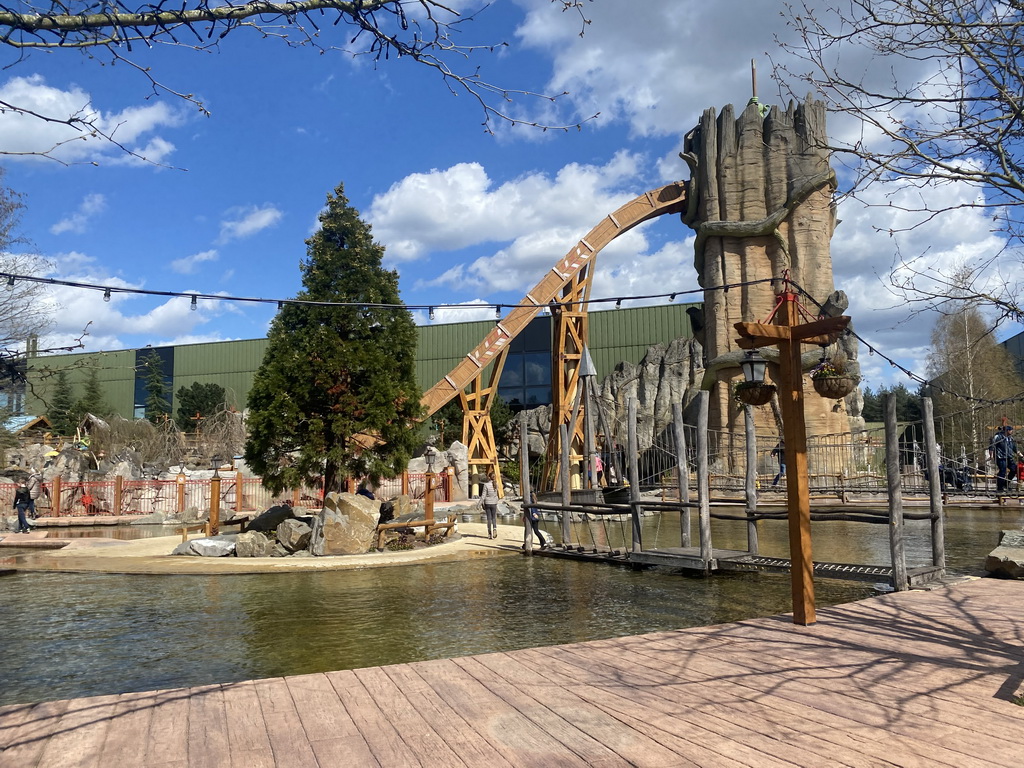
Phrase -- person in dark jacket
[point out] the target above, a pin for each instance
(22, 501)
(533, 518)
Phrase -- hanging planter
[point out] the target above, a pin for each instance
(831, 380)
(753, 392)
(834, 387)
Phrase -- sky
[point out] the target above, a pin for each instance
(227, 199)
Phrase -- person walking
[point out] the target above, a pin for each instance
(780, 451)
(35, 487)
(490, 501)
(533, 520)
(1004, 451)
(22, 500)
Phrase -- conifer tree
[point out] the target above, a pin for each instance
(198, 400)
(157, 406)
(92, 398)
(336, 394)
(62, 407)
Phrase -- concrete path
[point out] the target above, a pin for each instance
(908, 679)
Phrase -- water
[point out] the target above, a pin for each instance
(69, 635)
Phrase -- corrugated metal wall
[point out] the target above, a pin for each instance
(615, 336)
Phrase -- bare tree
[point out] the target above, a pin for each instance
(25, 310)
(936, 88)
(426, 31)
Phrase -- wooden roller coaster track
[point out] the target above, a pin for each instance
(670, 198)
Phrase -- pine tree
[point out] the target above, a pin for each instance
(336, 394)
(157, 406)
(62, 407)
(92, 398)
(199, 399)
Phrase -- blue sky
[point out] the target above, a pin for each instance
(465, 215)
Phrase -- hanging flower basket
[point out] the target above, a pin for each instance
(754, 392)
(834, 387)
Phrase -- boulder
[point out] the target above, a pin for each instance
(457, 457)
(278, 550)
(1007, 560)
(253, 544)
(273, 517)
(220, 546)
(345, 526)
(294, 535)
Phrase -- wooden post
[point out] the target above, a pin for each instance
(215, 504)
(563, 436)
(428, 502)
(934, 488)
(55, 497)
(791, 401)
(239, 487)
(296, 497)
(895, 487)
(682, 474)
(633, 451)
(703, 484)
(588, 435)
(524, 483)
(181, 492)
(751, 479)
(118, 494)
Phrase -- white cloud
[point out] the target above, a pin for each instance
(246, 221)
(78, 221)
(451, 209)
(463, 312)
(187, 265)
(22, 135)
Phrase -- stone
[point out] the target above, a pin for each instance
(273, 517)
(1007, 560)
(213, 547)
(220, 546)
(253, 544)
(457, 457)
(278, 550)
(301, 553)
(345, 526)
(294, 535)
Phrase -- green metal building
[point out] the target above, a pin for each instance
(615, 336)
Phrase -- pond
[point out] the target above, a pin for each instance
(70, 635)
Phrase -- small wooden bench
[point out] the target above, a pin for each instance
(185, 530)
(429, 526)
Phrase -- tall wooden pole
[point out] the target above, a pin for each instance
(791, 401)
(934, 489)
(703, 482)
(563, 436)
(682, 474)
(895, 487)
(633, 449)
(524, 481)
(751, 479)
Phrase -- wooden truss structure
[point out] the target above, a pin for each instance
(567, 285)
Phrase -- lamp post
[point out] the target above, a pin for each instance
(787, 333)
(428, 496)
(215, 497)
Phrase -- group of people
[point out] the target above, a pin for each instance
(1003, 449)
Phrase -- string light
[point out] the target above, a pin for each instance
(12, 278)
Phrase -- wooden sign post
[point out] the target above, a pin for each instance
(787, 333)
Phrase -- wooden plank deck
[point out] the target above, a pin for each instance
(906, 679)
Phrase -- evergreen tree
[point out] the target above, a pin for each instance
(199, 399)
(157, 406)
(62, 407)
(908, 404)
(92, 398)
(336, 394)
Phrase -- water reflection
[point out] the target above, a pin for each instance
(84, 634)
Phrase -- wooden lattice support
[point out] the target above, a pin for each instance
(567, 402)
(477, 430)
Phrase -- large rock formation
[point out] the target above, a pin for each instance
(345, 526)
(1007, 560)
(760, 202)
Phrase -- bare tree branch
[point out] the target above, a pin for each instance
(422, 30)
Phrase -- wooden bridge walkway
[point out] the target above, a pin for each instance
(912, 678)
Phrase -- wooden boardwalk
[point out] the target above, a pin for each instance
(908, 679)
